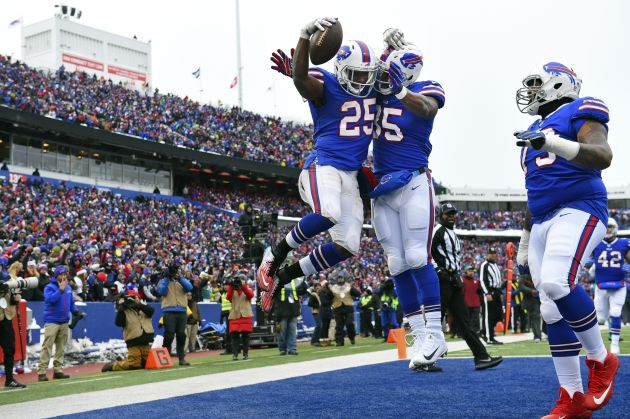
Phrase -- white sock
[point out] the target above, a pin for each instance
(418, 324)
(434, 323)
(307, 266)
(592, 342)
(568, 372)
(614, 339)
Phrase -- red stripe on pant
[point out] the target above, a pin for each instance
(431, 215)
(313, 180)
(584, 239)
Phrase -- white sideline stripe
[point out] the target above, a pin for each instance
(85, 402)
(87, 381)
(169, 370)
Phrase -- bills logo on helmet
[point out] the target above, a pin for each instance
(557, 68)
(343, 53)
(410, 60)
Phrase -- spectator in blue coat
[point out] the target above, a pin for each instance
(173, 290)
(58, 304)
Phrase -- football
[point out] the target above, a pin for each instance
(326, 43)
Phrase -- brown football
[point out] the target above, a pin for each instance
(325, 44)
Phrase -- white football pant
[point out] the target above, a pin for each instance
(609, 302)
(557, 249)
(334, 194)
(403, 221)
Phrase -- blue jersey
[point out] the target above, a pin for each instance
(343, 125)
(609, 259)
(554, 182)
(401, 140)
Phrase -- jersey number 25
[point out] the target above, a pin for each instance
(350, 126)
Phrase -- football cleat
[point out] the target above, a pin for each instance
(267, 270)
(432, 349)
(601, 377)
(415, 339)
(266, 297)
(569, 408)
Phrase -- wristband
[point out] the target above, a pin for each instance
(402, 93)
(561, 147)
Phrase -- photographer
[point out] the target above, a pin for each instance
(325, 310)
(446, 249)
(135, 319)
(287, 309)
(8, 301)
(314, 303)
(58, 304)
(240, 318)
(173, 290)
(343, 307)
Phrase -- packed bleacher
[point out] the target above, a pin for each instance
(77, 97)
(129, 242)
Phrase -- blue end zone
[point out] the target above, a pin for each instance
(518, 388)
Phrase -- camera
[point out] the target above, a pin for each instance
(19, 283)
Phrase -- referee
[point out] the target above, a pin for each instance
(445, 250)
(492, 310)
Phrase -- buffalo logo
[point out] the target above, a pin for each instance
(386, 179)
(343, 53)
(410, 60)
(557, 68)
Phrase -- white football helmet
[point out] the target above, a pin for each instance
(410, 61)
(613, 229)
(355, 68)
(546, 83)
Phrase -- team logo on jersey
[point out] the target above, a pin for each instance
(343, 53)
(410, 60)
(386, 179)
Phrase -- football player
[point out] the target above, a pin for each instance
(343, 107)
(562, 155)
(403, 202)
(610, 290)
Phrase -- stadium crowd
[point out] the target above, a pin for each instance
(77, 97)
(121, 242)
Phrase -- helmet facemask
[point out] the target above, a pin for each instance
(612, 230)
(358, 81)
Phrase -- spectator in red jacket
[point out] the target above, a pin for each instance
(471, 296)
(240, 318)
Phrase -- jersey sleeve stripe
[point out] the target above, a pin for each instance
(433, 86)
(432, 92)
(595, 108)
(596, 102)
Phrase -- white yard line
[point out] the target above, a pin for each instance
(83, 402)
(87, 381)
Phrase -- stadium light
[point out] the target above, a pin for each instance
(67, 12)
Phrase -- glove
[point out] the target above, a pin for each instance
(393, 37)
(318, 24)
(283, 64)
(523, 254)
(533, 139)
(395, 78)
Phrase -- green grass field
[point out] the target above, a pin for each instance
(258, 358)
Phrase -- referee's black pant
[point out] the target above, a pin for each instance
(491, 313)
(452, 299)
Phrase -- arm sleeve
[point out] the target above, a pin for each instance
(249, 293)
(186, 284)
(432, 89)
(52, 294)
(589, 108)
(146, 309)
(230, 292)
(483, 274)
(121, 319)
(163, 287)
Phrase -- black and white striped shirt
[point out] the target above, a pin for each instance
(490, 276)
(446, 249)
